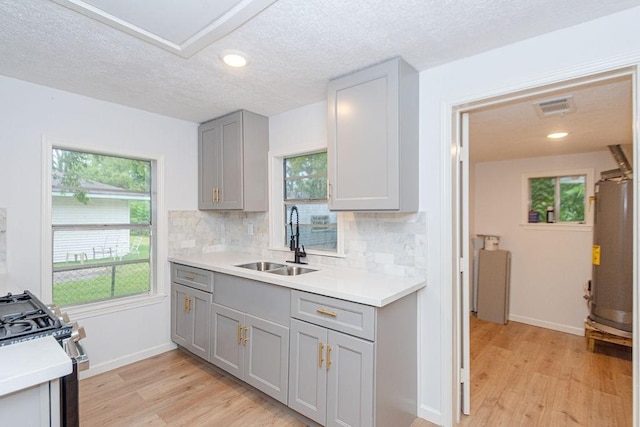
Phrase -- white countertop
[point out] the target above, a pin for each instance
(348, 284)
(30, 363)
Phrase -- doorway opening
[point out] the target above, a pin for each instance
(550, 275)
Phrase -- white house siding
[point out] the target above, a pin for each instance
(89, 244)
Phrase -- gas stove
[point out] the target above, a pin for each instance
(23, 317)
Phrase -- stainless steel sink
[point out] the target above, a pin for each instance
(261, 266)
(291, 270)
(275, 268)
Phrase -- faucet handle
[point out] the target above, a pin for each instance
(303, 253)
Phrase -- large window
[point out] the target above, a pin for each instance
(559, 198)
(102, 226)
(305, 186)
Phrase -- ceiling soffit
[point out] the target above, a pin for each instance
(183, 28)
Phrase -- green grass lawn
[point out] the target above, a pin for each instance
(95, 284)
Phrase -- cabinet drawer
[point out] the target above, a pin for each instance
(196, 278)
(344, 316)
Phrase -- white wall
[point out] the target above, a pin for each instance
(588, 48)
(548, 266)
(28, 111)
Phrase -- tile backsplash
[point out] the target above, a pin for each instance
(389, 243)
(3, 240)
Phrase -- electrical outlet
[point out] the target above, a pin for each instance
(250, 229)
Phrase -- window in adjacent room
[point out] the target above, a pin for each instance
(560, 198)
(102, 217)
(305, 186)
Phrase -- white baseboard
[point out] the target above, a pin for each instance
(430, 414)
(125, 360)
(548, 325)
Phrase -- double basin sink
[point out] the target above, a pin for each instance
(275, 268)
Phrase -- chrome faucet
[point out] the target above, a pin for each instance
(294, 242)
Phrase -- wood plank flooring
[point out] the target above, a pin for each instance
(521, 375)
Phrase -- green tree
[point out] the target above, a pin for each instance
(306, 176)
(76, 171)
(542, 195)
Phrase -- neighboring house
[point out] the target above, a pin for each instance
(106, 205)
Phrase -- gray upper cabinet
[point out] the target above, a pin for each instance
(373, 139)
(232, 162)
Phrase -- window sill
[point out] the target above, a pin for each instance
(557, 227)
(86, 311)
(312, 252)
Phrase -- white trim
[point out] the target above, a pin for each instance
(562, 226)
(626, 64)
(159, 279)
(589, 174)
(547, 325)
(89, 310)
(231, 20)
(126, 360)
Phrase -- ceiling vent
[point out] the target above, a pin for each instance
(555, 106)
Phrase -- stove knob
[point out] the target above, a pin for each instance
(64, 318)
(77, 332)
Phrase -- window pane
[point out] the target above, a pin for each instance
(101, 216)
(542, 191)
(306, 177)
(317, 226)
(572, 194)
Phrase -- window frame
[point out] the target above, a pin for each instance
(277, 202)
(158, 252)
(588, 197)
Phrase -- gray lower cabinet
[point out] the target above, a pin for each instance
(331, 376)
(353, 364)
(190, 314)
(191, 299)
(250, 333)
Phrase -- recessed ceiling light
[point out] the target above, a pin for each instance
(234, 59)
(557, 135)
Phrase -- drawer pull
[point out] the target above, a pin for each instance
(320, 359)
(189, 276)
(328, 313)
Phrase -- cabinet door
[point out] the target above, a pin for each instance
(209, 158)
(266, 357)
(230, 172)
(200, 317)
(226, 339)
(363, 142)
(349, 381)
(307, 373)
(180, 320)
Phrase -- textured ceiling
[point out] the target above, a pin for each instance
(295, 47)
(513, 129)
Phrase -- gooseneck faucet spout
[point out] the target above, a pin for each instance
(294, 242)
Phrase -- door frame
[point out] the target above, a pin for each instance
(451, 135)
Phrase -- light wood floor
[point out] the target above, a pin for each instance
(520, 376)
